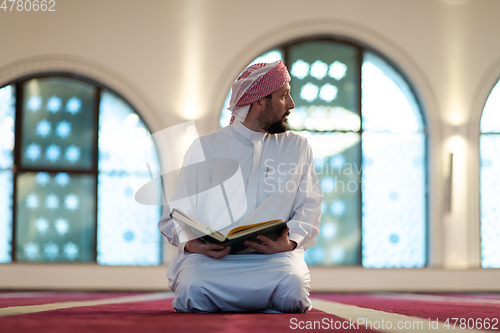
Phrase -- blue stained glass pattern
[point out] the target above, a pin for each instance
(337, 164)
(323, 118)
(54, 104)
(5, 216)
(63, 129)
(7, 119)
(388, 104)
(74, 105)
(55, 220)
(490, 200)
(43, 128)
(324, 88)
(34, 103)
(120, 128)
(55, 134)
(393, 181)
(270, 56)
(127, 232)
(300, 69)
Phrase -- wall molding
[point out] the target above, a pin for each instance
(357, 279)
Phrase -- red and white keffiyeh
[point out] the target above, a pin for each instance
(256, 82)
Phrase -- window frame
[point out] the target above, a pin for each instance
(480, 178)
(17, 169)
(361, 49)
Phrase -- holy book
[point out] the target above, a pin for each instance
(236, 237)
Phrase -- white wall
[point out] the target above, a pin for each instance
(175, 60)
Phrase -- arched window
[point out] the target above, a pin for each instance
(365, 126)
(66, 188)
(490, 180)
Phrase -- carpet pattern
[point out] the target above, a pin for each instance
(77, 312)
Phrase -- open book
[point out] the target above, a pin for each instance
(235, 238)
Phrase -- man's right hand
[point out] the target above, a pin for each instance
(210, 250)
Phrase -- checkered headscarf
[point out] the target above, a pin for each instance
(256, 82)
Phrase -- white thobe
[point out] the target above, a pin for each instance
(279, 183)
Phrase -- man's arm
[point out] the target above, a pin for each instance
(306, 212)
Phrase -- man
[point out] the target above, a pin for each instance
(279, 182)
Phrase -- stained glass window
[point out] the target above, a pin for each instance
(337, 164)
(127, 232)
(5, 216)
(58, 124)
(7, 119)
(394, 228)
(490, 180)
(74, 199)
(366, 130)
(55, 219)
(324, 76)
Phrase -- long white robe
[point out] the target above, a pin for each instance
(279, 183)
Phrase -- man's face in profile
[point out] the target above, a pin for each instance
(273, 118)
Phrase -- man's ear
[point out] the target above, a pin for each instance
(258, 105)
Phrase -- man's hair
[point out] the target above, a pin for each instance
(269, 97)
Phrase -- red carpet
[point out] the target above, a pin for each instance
(426, 309)
(52, 297)
(158, 315)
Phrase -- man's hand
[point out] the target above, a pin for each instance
(210, 250)
(280, 244)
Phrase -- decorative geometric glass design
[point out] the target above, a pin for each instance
(490, 181)
(324, 87)
(119, 129)
(270, 56)
(56, 210)
(7, 119)
(337, 164)
(394, 209)
(330, 86)
(58, 124)
(388, 104)
(394, 228)
(490, 200)
(55, 217)
(127, 232)
(490, 120)
(5, 216)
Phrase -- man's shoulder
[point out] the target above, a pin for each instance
(293, 139)
(221, 132)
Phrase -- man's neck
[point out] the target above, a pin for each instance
(252, 126)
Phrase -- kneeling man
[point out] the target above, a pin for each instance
(279, 182)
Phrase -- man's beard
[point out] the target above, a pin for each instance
(272, 127)
(277, 127)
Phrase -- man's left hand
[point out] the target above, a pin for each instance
(280, 244)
